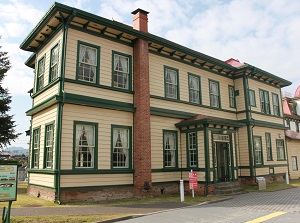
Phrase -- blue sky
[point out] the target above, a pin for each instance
(263, 33)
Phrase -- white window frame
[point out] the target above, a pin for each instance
(252, 99)
(36, 148)
(276, 107)
(170, 149)
(121, 75)
(231, 96)
(171, 83)
(214, 95)
(194, 89)
(40, 73)
(280, 149)
(265, 102)
(269, 146)
(192, 149)
(54, 63)
(49, 137)
(257, 144)
(87, 64)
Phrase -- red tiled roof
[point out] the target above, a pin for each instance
(234, 62)
(297, 92)
(286, 107)
(292, 134)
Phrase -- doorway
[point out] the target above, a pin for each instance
(222, 150)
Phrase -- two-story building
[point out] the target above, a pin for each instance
(118, 112)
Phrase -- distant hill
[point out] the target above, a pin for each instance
(16, 150)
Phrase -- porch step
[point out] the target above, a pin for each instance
(228, 188)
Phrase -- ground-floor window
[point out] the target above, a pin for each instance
(49, 146)
(85, 141)
(294, 163)
(192, 149)
(170, 148)
(36, 148)
(257, 149)
(280, 149)
(121, 146)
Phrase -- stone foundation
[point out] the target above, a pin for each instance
(46, 194)
(269, 179)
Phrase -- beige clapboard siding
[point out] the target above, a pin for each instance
(182, 151)
(40, 120)
(211, 147)
(244, 172)
(106, 48)
(241, 116)
(53, 90)
(266, 118)
(190, 108)
(280, 169)
(243, 154)
(46, 180)
(95, 180)
(293, 150)
(261, 131)
(201, 154)
(158, 124)
(156, 69)
(104, 117)
(46, 51)
(165, 177)
(90, 91)
(240, 99)
(262, 171)
(256, 85)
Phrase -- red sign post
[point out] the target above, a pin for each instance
(193, 180)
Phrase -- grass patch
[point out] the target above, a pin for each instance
(273, 186)
(66, 218)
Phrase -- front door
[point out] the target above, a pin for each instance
(222, 162)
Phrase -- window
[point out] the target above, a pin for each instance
(257, 150)
(194, 88)
(264, 102)
(85, 141)
(231, 96)
(40, 74)
(192, 149)
(121, 71)
(48, 146)
(121, 147)
(214, 94)
(36, 148)
(276, 104)
(88, 62)
(252, 98)
(170, 148)
(294, 163)
(54, 64)
(171, 83)
(280, 149)
(269, 147)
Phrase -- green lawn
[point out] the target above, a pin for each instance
(273, 186)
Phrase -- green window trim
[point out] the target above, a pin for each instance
(36, 141)
(172, 159)
(117, 154)
(171, 85)
(128, 86)
(258, 152)
(96, 75)
(194, 93)
(281, 156)
(264, 102)
(48, 160)
(231, 95)
(276, 104)
(192, 149)
(252, 99)
(269, 146)
(40, 74)
(214, 93)
(54, 63)
(84, 153)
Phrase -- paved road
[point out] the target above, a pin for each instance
(280, 206)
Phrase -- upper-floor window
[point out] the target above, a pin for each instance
(194, 88)
(48, 153)
(40, 74)
(276, 108)
(122, 71)
(192, 149)
(36, 148)
(88, 62)
(171, 83)
(170, 148)
(252, 100)
(214, 93)
(257, 150)
(264, 101)
(280, 149)
(54, 63)
(121, 148)
(85, 144)
(231, 96)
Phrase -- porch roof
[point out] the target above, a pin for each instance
(206, 119)
(292, 134)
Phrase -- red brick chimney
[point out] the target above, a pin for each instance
(140, 20)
